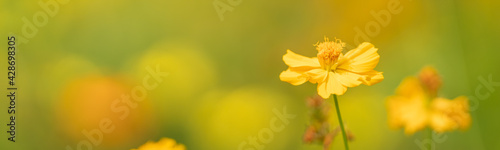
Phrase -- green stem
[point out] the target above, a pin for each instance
(429, 136)
(341, 123)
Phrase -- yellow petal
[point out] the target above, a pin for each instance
(440, 123)
(410, 87)
(408, 108)
(348, 79)
(163, 144)
(408, 112)
(298, 61)
(367, 78)
(293, 77)
(371, 77)
(317, 75)
(331, 86)
(462, 109)
(362, 59)
(439, 120)
(449, 115)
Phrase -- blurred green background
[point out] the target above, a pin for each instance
(223, 80)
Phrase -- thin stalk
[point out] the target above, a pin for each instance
(429, 136)
(341, 123)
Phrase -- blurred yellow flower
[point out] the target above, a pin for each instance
(85, 102)
(332, 70)
(163, 144)
(416, 105)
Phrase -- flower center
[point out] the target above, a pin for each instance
(329, 52)
(430, 79)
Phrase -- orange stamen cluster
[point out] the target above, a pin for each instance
(329, 52)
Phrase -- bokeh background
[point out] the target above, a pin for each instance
(223, 80)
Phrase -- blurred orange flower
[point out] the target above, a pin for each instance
(163, 144)
(332, 70)
(416, 105)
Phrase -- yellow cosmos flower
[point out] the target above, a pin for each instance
(416, 106)
(331, 69)
(163, 144)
